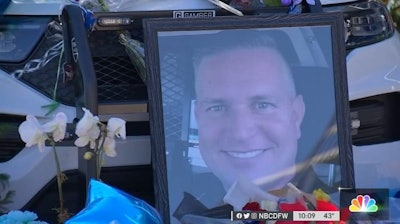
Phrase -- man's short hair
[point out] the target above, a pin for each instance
(220, 45)
(225, 41)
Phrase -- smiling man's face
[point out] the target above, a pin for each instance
(248, 115)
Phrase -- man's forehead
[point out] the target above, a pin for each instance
(240, 66)
(251, 62)
(245, 52)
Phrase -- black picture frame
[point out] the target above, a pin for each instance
(168, 46)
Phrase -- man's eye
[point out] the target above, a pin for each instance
(216, 108)
(263, 105)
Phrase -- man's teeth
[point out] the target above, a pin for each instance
(245, 155)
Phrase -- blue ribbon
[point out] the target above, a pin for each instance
(88, 16)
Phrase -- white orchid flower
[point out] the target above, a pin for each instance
(57, 126)
(109, 147)
(31, 133)
(116, 126)
(87, 130)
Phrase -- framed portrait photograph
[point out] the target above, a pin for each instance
(246, 109)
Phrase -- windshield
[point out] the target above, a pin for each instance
(19, 36)
(35, 7)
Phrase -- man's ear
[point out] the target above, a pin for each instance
(299, 110)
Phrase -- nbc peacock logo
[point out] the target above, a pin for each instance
(363, 203)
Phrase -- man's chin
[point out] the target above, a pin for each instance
(256, 181)
(270, 183)
(266, 182)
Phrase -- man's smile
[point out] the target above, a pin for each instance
(245, 155)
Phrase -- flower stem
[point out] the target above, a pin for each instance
(59, 178)
(99, 154)
(98, 163)
(63, 214)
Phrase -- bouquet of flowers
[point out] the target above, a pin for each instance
(317, 201)
(90, 131)
(248, 197)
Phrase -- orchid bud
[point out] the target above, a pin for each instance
(88, 155)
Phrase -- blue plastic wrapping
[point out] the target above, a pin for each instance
(108, 205)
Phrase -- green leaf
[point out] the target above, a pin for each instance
(4, 181)
(51, 107)
(6, 200)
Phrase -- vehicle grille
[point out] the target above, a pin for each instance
(117, 77)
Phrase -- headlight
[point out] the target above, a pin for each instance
(367, 23)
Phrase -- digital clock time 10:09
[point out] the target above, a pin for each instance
(316, 216)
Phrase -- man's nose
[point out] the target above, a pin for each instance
(243, 124)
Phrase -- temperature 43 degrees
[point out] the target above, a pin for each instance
(316, 216)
